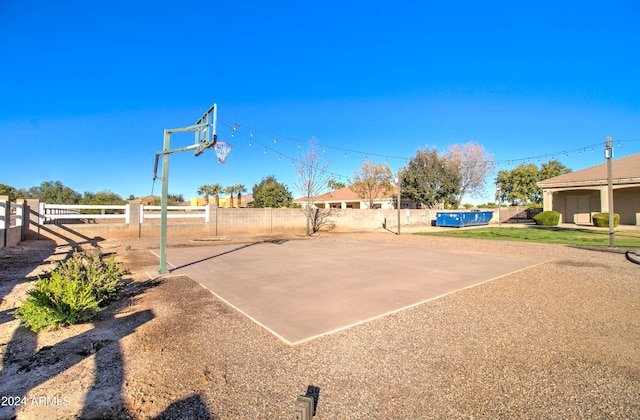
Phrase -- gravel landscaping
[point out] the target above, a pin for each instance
(557, 340)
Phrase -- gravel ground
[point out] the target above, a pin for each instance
(558, 340)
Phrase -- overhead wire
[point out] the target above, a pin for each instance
(367, 154)
(281, 155)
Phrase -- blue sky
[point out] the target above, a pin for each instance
(87, 88)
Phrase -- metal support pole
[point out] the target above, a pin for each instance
(499, 200)
(398, 183)
(609, 155)
(165, 198)
(205, 137)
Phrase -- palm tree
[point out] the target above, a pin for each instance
(229, 191)
(204, 190)
(209, 190)
(240, 189)
(216, 189)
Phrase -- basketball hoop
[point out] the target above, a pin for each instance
(222, 149)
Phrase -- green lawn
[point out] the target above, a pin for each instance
(585, 237)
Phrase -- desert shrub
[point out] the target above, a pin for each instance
(57, 301)
(105, 277)
(547, 218)
(74, 292)
(602, 219)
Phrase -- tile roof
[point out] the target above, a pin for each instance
(343, 194)
(625, 170)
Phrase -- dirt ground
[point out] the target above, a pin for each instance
(131, 349)
(168, 349)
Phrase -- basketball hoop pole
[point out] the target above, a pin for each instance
(205, 129)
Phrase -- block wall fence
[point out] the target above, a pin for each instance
(137, 221)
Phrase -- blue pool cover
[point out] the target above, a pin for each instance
(463, 218)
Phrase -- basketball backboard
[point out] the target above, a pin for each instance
(206, 134)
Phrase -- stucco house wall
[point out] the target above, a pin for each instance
(344, 198)
(580, 194)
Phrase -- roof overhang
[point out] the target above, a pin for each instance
(591, 183)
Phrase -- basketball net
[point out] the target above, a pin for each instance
(222, 149)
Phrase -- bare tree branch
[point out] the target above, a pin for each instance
(311, 179)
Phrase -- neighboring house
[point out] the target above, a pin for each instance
(224, 201)
(198, 201)
(578, 195)
(344, 198)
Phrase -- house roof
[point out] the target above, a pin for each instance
(625, 170)
(343, 194)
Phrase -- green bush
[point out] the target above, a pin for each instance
(533, 211)
(57, 301)
(105, 277)
(74, 292)
(602, 219)
(547, 218)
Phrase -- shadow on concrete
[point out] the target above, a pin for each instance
(268, 241)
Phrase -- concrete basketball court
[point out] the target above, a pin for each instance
(300, 290)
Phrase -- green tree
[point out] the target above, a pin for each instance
(215, 190)
(519, 186)
(172, 200)
(54, 192)
(552, 169)
(430, 179)
(101, 198)
(8, 190)
(206, 191)
(230, 190)
(335, 185)
(271, 193)
(14, 193)
(372, 181)
(240, 189)
(210, 190)
(175, 198)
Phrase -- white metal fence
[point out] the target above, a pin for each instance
(51, 213)
(16, 218)
(12, 217)
(175, 212)
(55, 212)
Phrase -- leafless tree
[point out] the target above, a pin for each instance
(311, 181)
(474, 166)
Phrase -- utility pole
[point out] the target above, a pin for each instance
(608, 154)
(398, 184)
(498, 199)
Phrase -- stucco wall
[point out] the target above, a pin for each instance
(627, 204)
(560, 200)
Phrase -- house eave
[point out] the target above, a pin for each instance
(589, 183)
